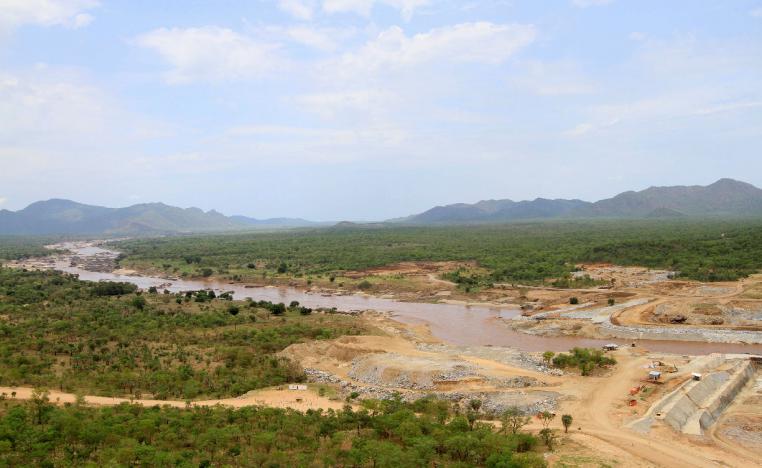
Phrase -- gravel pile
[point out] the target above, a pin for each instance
(508, 356)
(526, 402)
(682, 333)
(415, 373)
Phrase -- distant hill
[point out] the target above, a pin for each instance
(67, 217)
(726, 197)
(276, 223)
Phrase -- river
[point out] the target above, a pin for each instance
(452, 323)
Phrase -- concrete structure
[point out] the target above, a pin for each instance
(696, 404)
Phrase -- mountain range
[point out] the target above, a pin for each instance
(58, 216)
(726, 197)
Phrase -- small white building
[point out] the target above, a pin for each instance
(300, 387)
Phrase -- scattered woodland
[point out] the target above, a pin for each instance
(526, 253)
(108, 339)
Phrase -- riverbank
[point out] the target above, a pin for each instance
(543, 320)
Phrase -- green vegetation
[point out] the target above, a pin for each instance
(386, 434)
(710, 250)
(106, 339)
(586, 359)
(21, 247)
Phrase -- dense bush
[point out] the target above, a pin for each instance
(586, 359)
(391, 434)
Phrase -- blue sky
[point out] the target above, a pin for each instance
(372, 109)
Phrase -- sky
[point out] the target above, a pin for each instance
(373, 109)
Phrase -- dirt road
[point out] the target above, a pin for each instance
(597, 413)
(295, 399)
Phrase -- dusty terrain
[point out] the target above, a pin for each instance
(407, 361)
(281, 397)
(640, 303)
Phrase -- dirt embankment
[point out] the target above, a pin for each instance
(408, 362)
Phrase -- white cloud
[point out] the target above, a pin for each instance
(735, 106)
(57, 125)
(587, 127)
(330, 104)
(365, 7)
(210, 54)
(53, 107)
(3, 200)
(590, 3)
(757, 12)
(553, 79)
(301, 9)
(17, 13)
(481, 42)
(324, 39)
(81, 20)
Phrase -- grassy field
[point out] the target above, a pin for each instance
(710, 250)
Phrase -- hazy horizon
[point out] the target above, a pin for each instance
(367, 219)
(367, 110)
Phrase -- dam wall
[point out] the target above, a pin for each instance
(697, 404)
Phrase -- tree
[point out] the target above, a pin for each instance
(547, 356)
(545, 418)
(612, 301)
(278, 309)
(549, 437)
(138, 302)
(233, 311)
(573, 300)
(293, 305)
(475, 405)
(566, 420)
(41, 404)
(513, 420)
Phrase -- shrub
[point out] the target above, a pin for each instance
(586, 359)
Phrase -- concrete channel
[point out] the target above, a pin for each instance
(698, 403)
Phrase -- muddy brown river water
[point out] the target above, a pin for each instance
(453, 323)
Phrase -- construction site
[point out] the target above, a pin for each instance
(649, 409)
